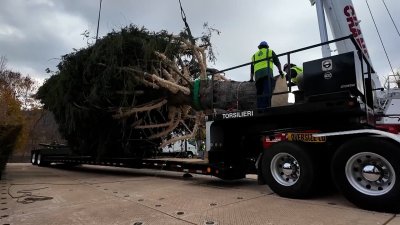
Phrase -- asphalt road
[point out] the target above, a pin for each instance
(105, 195)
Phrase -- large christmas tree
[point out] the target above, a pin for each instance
(134, 91)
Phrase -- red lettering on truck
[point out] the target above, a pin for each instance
(352, 22)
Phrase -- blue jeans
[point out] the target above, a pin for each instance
(264, 92)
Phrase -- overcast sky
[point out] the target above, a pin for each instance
(35, 33)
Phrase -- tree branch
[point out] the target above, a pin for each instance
(148, 107)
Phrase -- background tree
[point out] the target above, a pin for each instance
(18, 107)
(10, 112)
(10, 117)
(393, 81)
(3, 63)
(21, 87)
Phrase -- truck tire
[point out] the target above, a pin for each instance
(289, 170)
(189, 154)
(367, 171)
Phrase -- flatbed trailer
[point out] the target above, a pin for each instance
(53, 156)
(252, 124)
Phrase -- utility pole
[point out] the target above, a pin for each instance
(98, 21)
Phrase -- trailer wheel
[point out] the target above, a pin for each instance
(367, 172)
(33, 158)
(289, 170)
(39, 160)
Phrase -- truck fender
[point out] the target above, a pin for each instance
(394, 137)
(260, 178)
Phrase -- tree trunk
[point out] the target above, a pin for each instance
(233, 95)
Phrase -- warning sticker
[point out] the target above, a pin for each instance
(305, 137)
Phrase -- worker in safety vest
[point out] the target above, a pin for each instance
(262, 70)
(296, 74)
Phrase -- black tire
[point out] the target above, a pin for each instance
(189, 154)
(34, 158)
(39, 160)
(367, 171)
(301, 182)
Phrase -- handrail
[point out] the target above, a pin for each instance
(302, 49)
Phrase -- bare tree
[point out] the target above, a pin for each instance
(3, 63)
(22, 87)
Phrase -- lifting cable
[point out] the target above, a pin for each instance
(186, 24)
(98, 21)
(394, 24)
(380, 38)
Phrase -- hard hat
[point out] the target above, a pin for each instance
(286, 65)
(263, 43)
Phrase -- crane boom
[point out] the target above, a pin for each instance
(343, 21)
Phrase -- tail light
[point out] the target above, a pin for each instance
(270, 139)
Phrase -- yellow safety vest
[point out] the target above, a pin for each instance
(299, 72)
(264, 67)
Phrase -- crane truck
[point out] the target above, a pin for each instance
(337, 132)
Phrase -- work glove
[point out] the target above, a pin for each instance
(282, 74)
